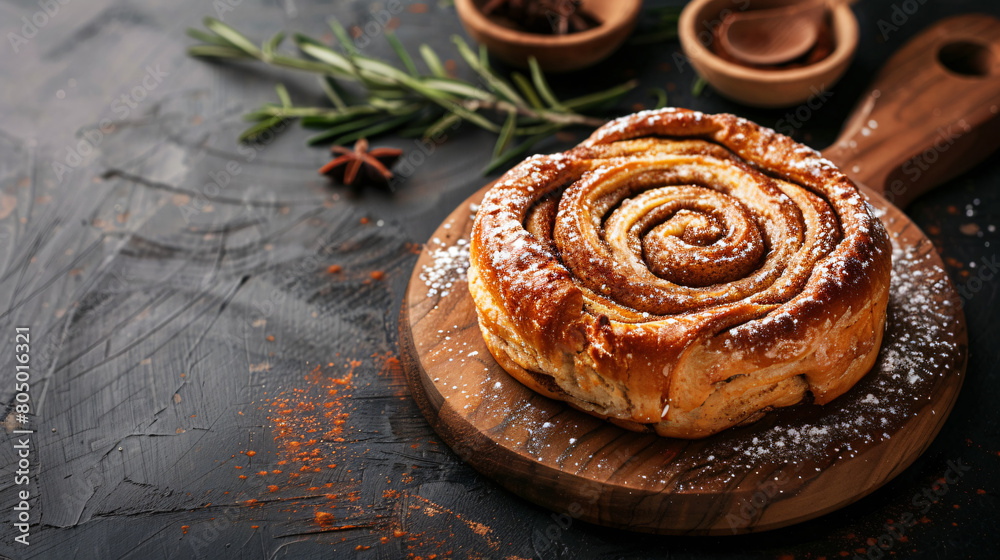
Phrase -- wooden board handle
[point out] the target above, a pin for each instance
(931, 112)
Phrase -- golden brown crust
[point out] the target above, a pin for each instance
(680, 272)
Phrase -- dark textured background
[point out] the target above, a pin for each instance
(174, 330)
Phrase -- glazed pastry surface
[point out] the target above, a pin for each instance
(681, 272)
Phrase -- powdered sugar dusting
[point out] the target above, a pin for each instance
(449, 265)
(918, 348)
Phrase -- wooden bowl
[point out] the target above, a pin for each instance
(555, 53)
(756, 87)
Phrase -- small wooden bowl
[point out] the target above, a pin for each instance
(756, 87)
(555, 53)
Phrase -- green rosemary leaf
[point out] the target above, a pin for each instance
(506, 133)
(698, 87)
(589, 101)
(209, 38)
(432, 61)
(321, 52)
(444, 123)
(340, 130)
(381, 128)
(492, 80)
(216, 51)
(286, 100)
(259, 115)
(273, 44)
(332, 118)
(525, 86)
(661, 97)
(256, 130)
(341, 34)
(542, 86)
(471, 116)
(375, 72)
(456, 87)
(332, 90)
(402, 54)
(484, 58)
(234, 37)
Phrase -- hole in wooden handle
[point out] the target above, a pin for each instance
(967, 58)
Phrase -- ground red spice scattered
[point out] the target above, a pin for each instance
(251, 453)
(242, 477)
(270, 338)
(255, 526)
(364, 220)
(324, 518)
(387, 363)
(333, 268)
(184, 529)
(305, 422)
(378, 275)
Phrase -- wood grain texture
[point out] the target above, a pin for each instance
(729, 483)
(930, 114)
(570, 462)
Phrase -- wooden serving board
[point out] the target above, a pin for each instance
(795, 464)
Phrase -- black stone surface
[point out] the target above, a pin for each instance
(174, 327)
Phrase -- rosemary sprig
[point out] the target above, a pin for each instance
(406, 100)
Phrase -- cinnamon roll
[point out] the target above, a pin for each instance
(681, 272)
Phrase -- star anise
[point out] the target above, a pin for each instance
(361, 164)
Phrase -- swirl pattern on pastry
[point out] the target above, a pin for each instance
(681, 272)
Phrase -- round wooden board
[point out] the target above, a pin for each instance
(795, 464)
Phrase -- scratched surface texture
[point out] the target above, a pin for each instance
(202, 385)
